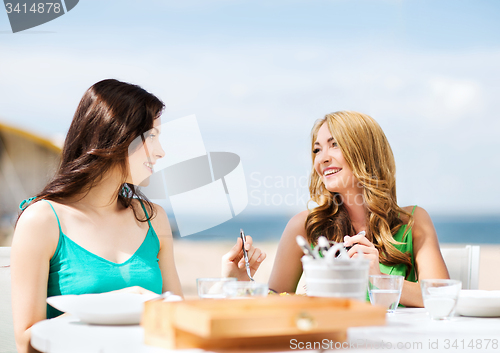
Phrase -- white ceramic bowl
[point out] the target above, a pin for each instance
(479, 303)
(105, 308)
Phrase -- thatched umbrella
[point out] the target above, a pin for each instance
(27, 162)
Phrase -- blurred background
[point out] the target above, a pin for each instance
(257, 74)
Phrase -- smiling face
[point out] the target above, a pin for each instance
(330, 165)
(144, 151)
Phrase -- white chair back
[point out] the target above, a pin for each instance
(7, 343)
(463, 264)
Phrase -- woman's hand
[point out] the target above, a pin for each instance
(360, 243)
(233, 262)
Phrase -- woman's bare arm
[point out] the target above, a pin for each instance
(287, 267)
(168, 270)
(428, 260)
(34, 243)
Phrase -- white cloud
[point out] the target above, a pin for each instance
(261, 99)
(453, 99)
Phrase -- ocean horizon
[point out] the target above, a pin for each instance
(450, 229)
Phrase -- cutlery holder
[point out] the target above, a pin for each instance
(346, 278)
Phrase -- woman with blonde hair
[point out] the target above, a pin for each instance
(353, 181)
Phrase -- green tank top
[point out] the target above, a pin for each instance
(405, 247)
(75, 270)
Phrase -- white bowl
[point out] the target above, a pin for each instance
(479, 303)
(105, 308)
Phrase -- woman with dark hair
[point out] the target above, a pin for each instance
(90, 230)
(353, 182)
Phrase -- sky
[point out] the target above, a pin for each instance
(258, 74)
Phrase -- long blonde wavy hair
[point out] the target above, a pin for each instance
(368, 153)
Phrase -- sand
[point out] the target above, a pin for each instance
(196, 259)
(489, 276)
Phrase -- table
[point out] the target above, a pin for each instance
(408, 329)
(411, 329)
(68, 335)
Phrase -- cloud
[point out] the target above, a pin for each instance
(259, 99)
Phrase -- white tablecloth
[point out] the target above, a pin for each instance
(413, 330)
(407, 330)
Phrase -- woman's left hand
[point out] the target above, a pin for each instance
(360, 243)
(233, 262)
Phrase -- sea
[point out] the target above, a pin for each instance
(268, 228)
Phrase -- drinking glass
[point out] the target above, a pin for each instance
(440, 296)
(385, 290)
(245, 289)
(212, 288)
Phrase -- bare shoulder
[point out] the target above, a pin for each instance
(422, 222)
(38, 226)
(299, 219)
(296, 225)
(419, 214)
(160, 222)
(38, 216)
(159, 214)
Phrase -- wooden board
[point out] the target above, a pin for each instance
(269, 322)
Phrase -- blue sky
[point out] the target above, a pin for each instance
(257, 74)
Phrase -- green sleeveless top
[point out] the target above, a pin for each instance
(75, 270)
(405, 247)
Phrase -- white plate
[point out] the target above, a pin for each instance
(479, 303)
(105, 308)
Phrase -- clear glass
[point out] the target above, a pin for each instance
(440, 297)
(385, 290)
(212, 288)
(245, 289)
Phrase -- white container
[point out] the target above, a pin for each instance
(440, 297)
(336, 277)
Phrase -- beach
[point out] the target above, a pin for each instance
(195, 259)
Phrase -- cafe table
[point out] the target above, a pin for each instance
(408, 329)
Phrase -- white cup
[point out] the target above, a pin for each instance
(440, 296)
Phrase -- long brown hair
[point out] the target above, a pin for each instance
(368, 153)
(110, 116)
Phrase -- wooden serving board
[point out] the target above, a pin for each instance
(270, 322)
